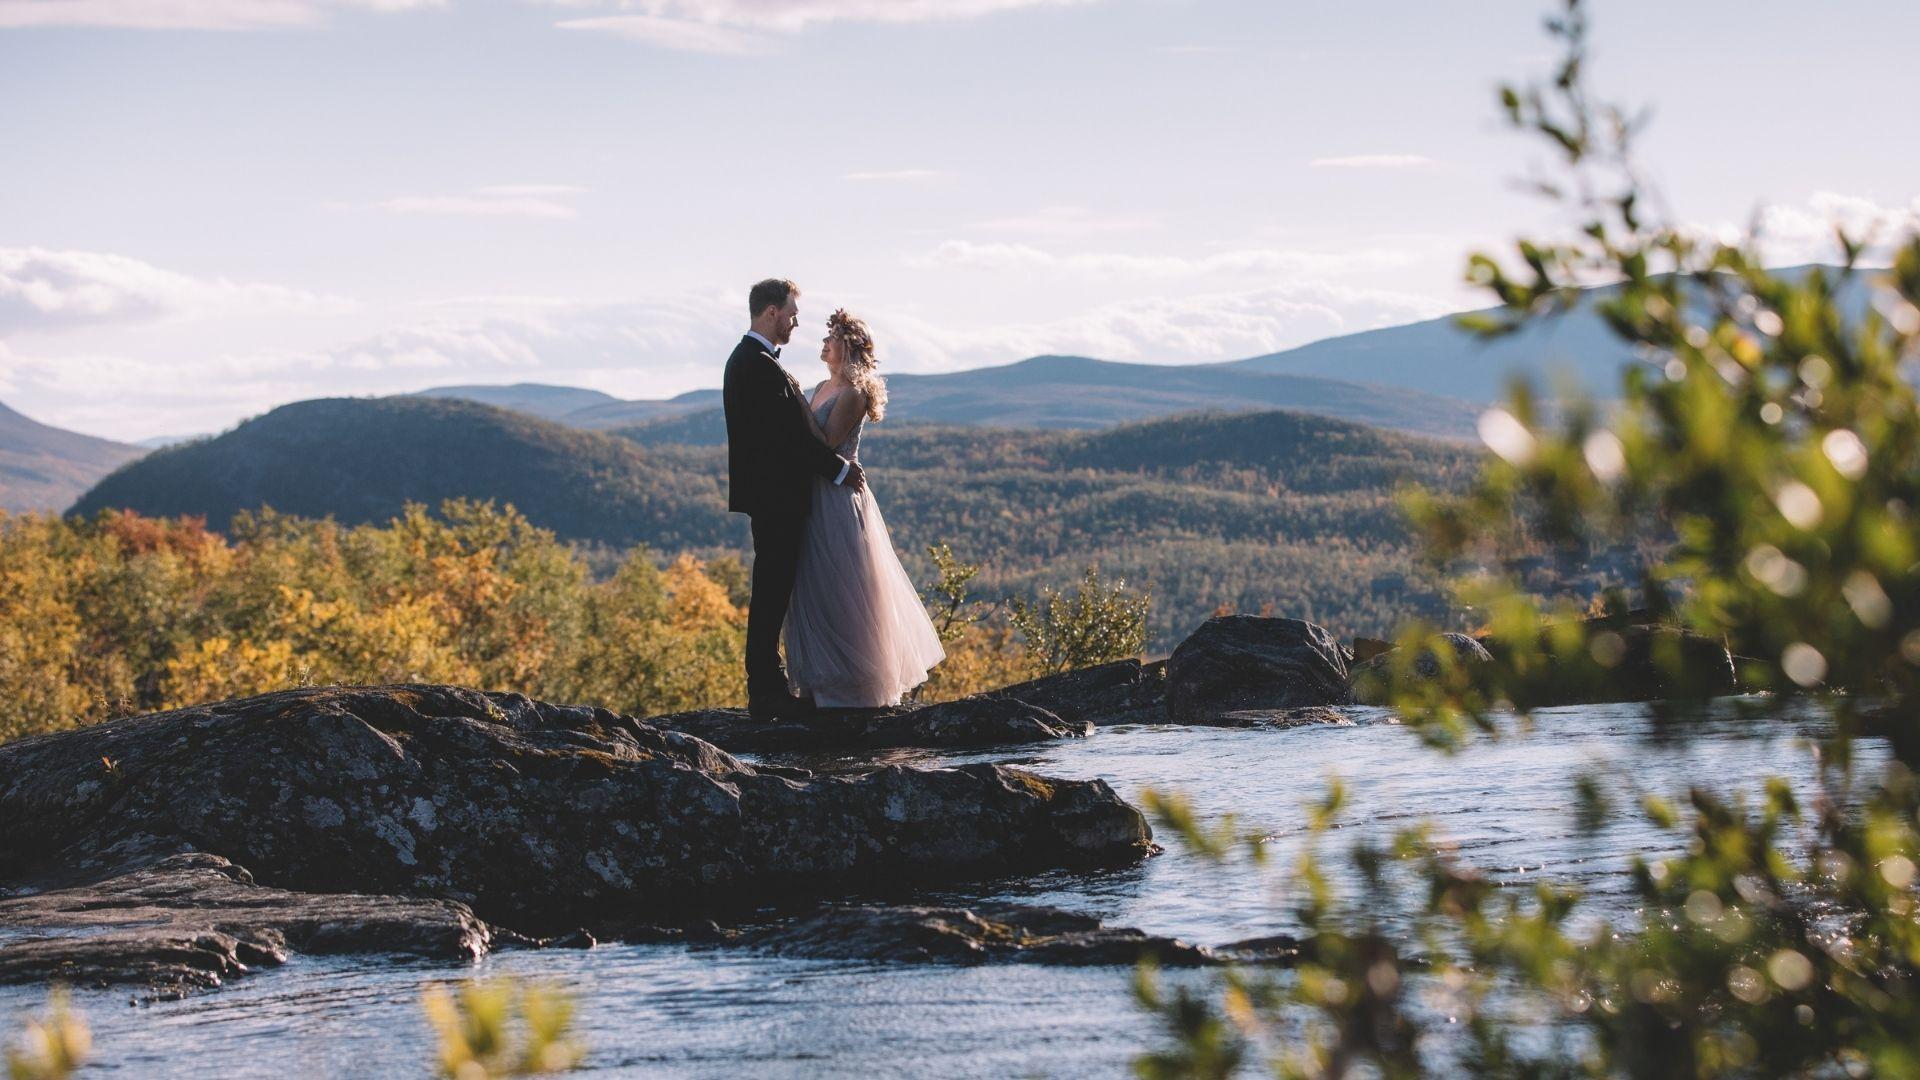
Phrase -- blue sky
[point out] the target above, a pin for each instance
(211, 207)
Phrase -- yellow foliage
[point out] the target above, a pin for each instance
(980, 656)
(123, 614)
(52, 1046)
(218, 668)
(501, 1029)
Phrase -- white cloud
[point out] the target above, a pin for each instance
(1373, 161)
(664, 345)
(742, 26)
(670, 339)
(1191, 329)
(686, 35)
(530, 190)
(478, 206)
(1790, 235)
(1002, 256)
(895, 175)
(46, 290)
(1065, 221)
(188, 14)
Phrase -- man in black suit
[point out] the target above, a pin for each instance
(772, 457)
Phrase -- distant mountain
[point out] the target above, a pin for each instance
(539, 399)
(46, 468)
(158, 441)
(1246, 509)
(1438, 357)
(1078, 392)
(621, 413)
(1047, 392)
(361, 459)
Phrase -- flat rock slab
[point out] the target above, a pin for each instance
(192, 921)
(1064, 706)
(968, 724)
(540, 817)
(995, 933)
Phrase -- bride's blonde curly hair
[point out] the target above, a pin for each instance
(858, 343)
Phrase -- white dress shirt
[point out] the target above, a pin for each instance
(775, 350)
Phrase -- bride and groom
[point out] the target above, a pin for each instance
(823, 564)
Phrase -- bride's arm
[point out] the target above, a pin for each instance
(847, 409)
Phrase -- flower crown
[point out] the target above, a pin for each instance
(852, 331)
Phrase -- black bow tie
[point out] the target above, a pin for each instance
(776, 352)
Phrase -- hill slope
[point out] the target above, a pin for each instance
(45, 468)
(1248, 509)
(361, 459)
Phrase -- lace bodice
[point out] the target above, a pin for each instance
(850, 447)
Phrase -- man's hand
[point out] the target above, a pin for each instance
(856, 477)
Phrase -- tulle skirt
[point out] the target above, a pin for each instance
(857, 635)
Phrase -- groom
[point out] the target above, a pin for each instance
(772, 457)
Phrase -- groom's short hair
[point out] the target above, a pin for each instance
(773, 292)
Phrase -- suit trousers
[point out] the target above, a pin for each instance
(776, 560)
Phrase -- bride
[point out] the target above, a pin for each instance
(857, 635)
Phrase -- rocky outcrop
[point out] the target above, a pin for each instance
(537, 816)
(1006, 932)
(969, 724)
(1373, 680)
(192, 921)
(1240, 662)
(1122, 692)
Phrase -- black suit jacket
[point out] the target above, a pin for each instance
(771, 450)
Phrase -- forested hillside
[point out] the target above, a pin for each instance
(1252, 510)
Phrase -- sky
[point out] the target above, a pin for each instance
(212, 207)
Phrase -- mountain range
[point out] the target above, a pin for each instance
(1041, 392)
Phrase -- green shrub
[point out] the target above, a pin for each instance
(1774, 437)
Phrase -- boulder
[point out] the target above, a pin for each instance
(1000, 932)
(191, 921)
(1240, 662)
(1372, 680)
(537, 816)
(1366, 648)
(968, 724)
(1621, 661)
